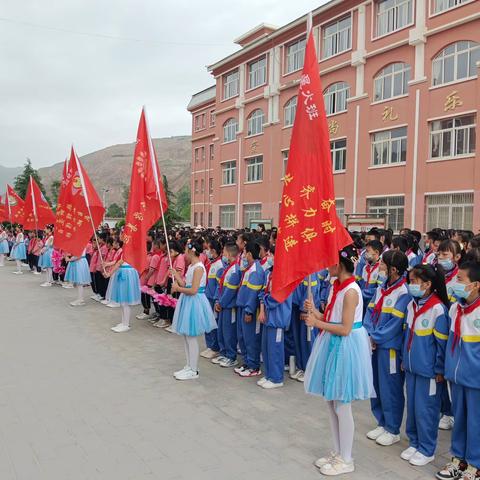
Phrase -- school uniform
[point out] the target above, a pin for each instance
(101, 281)
(93, 269)
(413, 258)
(214, 272)
(429, 258)
(384, 321)
(424, 343)
(267, 262)
(360, 265)
(462, 366)
(369, 283)
(248, 300)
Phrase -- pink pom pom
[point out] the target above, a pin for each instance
(144, 289)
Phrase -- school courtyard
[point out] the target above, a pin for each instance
(78, 402)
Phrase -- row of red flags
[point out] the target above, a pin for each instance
(310, 234)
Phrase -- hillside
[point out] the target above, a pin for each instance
(111, 167)
(7, 175)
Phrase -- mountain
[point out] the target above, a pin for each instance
(7, 175)
(110, 168)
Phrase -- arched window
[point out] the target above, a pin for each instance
(289, 111)
(456, 62)
(336, 97)
(392, 81)
(230, 129)
(255, 122)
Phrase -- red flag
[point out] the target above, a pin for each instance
(147, 200)
(310, 234)
(3, 211)
(79, 209)
(15, 206)
(38, 213)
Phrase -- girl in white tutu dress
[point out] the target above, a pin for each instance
(78, 273)
(4, 249)
(19, 250)
(45, 260)
(339, 368)
(193, 314)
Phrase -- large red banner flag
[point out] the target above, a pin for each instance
(310, 234)
(79, 210)
(38, 213)
(3, 211)
(147, 201)
(15, 206)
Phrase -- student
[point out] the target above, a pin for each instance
(4, 248)
(384, 323)
(215, 268)
(339, 368)
(372, 234)
(93, 268)
(19, 251)
(225, 307)
(266, 256)
(462, 365)
(368, 283)
(434, 239)
(108, 263)
(147, 278)
(242, 240)
(78, 274)
(101, 280)
(193, 314)
(425, 339)
(35, 246)
(179, 261)
(45, 260)
(473, 243)
(414, 254)
(248, 302)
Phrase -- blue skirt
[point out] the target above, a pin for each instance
(193, 315)
(340, 368)
(124, 286)
(19, 252)
(78, 272)
(4, 247)
(45, 260)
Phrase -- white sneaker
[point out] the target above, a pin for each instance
(268, 385)
(262, 381)
(67, 285)
(97, 297)
(387, 439)
(120, 328)
(141, 316)
(375, 433)
(240, 369)
(227, 363)
(324, 460)
(408, 453)
(301, 377)
(217, 360)
(16, 272)
(162, 324)
(206, 353)
(178, 372)
(296, 374)
(77, 303)
(420, 460)
(337, 467)
(446, 423)
(46, 284)
(113, 305)
(36, 273)
(187, 375)
(170, 329)
(104, 301)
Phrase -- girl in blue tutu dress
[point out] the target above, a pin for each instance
(45, 260)
(193, 314)
(124, 289)
(19, 250)
(339, 368)
(78, 273)
(4, 249)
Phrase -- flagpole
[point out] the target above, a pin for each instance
(33, 205)
(9, 208)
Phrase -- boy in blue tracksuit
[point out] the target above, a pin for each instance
(275, 318)
(248, 302)
(369, 278)
(423, 359)
(462, 369)
(225, 306)
(384, 323)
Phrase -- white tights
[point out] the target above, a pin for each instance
(2, 259)
(80, 292)
(126, 315)
(192, 352)
(343, 427)
(49, 279)
(19, 265)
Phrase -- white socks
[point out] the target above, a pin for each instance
(80, 293)
(126, 315)
(49, 275)
(192, 352)
(343, 428)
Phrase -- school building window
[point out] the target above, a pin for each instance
(289, 112)
(257, 73)
(197, 154)
(251, 212)
(227, 216)
(452, 137)
(212, 118)
(195, 218)
(210, 185)
(393, 15)
(389, 147)
(456, 62)
(202, 186)
(201, 219)
(295, 55)
(255, 122)
(393, 207)
(335, 97)
(449, 210)
(229, 172)
(199, 122)
(442, 5)
(340, 207)
(196, 186)
(254, 169)
(230, 129)
(284, 162)
(392, 81)
(203, 153)
(337, 37)
(210, 219)
(231, 82)
(211, 152)
(338, 149)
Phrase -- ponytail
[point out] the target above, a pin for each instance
(436, 275)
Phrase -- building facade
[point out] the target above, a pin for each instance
(401, 90)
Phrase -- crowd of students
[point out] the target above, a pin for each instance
(391, 322)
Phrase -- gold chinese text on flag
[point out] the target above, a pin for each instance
(310, 234)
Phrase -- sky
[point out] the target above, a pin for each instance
(79, 71)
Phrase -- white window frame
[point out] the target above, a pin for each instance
(196, 154)
(196, 186)
(231, 84)
(295, 55)
(331, 41)
(438, 63)
(254, 169)
(211, 152)
(285, 154)
(391, 16)
(456, 205)
(454, 4)
(340, 209)
(384, 140)
(337, 152)
(212, 118)
(335, 97)
(230, 130)
(223, 213)
(255, 123)
(229, 173)
(454, 133)
(251, 215)
(289, 112)
(387, 76)
(389, 205)
(257, 73)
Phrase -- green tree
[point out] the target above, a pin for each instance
(183, 203)
(115, 211)
(55, 190)
(22, 181)
(125, 194)
(171, 216)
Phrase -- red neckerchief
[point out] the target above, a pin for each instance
(371, 269)
(337, 288)
(377, 310)
(450, 275)
(461, 311)
(210, 263)
(430, 303)
(224, 275)
(408, 252)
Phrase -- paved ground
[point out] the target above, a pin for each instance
(80, 402)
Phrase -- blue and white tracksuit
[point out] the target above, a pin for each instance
(369, 283)
(215, 272)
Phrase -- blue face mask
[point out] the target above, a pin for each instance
(244, 263)
(460, 290)
(447, 264)
(382, 277)
(416, 291)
